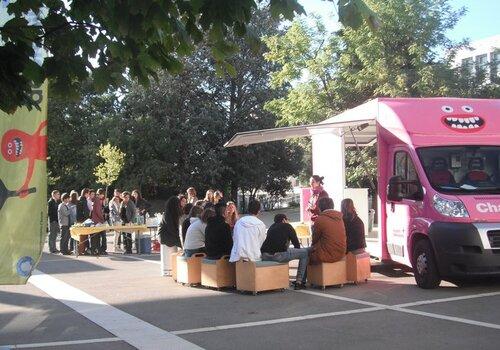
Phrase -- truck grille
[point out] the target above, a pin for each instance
(494, 238)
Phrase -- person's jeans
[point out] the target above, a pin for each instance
(190, 252)
(104, 243)
(95, 242)
(127, 242)
(65, 236)
(53, 232)
(302, 254)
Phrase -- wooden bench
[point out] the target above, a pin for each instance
(189, 269)
(218, 273)
(261, 276)
(327, 274)
(358, 266)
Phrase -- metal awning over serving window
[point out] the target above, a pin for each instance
(363, 130)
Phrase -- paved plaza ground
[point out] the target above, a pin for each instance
(121, 302)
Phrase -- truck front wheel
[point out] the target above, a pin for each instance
(424, 266)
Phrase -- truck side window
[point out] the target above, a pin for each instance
(404, 167)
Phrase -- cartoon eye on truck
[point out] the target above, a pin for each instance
(438, 204)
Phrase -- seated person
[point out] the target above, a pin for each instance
(440, 175)
(276, 247)
(328, 238)
(218, 239)
(248, 236)
(476, 171)
(354, 227)
(187, 221)
(195, 235)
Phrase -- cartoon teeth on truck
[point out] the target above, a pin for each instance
(438, 170)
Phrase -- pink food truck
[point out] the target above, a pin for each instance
(438, 161)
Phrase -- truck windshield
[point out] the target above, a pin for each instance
(462, 169)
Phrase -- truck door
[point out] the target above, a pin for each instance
(400, 213)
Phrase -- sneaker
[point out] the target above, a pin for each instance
(55, 252)
(103, 253)
(67, 253)
(299, 286)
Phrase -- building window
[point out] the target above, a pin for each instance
(495, 64)
(468, 63)
(482, 63)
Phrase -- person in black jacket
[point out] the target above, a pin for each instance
(169, 233)
(275, 247)
(354, 227)
(82, 214)
(53, 204)
(218, 239)
(82, 208)
(127, 214)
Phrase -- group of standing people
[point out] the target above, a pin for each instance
(69, 208)
(217, 230)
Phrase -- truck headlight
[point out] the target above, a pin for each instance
(448, 207)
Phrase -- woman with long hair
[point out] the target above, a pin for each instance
(142, 205)
(218, 238)
(218, 197)
(169, 233)
(317, 192)
(231, 214)
(191, 195)
(182, 200)
(354, 227)
(209, 196)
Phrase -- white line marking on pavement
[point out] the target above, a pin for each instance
(60, 343)
(445, 300)
(128, 328)
(448, 318)
(324, 295)
(141, 259)
(400, 307)
(275, 321)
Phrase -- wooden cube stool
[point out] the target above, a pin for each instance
(173, 263)
(189, 269)
(218, 273)
(258, 276)
(327, 274)
(358, 267)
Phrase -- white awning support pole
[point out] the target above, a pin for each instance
(329, 161)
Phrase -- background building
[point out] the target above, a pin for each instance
(483, 55)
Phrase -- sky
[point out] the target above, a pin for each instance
(480, 21)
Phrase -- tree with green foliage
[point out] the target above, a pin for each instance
(75, 130)
(109, 169)
(173, 131)
(112, 40)
(330, 72)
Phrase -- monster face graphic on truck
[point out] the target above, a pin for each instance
(463, 120)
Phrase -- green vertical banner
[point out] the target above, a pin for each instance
(23, 189)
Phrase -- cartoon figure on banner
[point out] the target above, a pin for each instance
(18, 145)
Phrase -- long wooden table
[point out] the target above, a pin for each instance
(82, 234)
